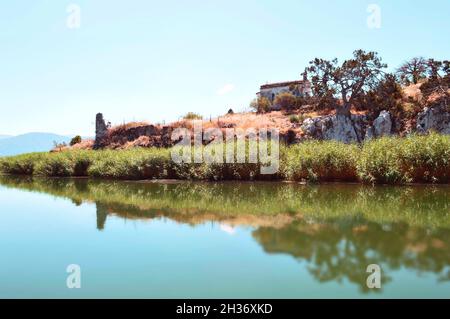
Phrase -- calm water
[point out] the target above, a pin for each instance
(232, 240)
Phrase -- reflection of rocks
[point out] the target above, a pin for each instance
(334, 249)
(335, 230)
(193, 217)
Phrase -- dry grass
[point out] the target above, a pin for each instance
(434, 97)
(84, 145)
(240, 121)
(244, 121)
(142, 141)
(118, 129)
(411, 104)
(413, 92)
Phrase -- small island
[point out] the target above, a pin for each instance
(343, 122)
(225, 157)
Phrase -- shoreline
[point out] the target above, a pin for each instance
(420, 159)
(166, 181)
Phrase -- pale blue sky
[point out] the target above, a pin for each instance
(157, 60)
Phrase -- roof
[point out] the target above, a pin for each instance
(281, 84)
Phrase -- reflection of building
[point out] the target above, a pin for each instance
(298, 88)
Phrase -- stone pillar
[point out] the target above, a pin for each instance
(101, 131)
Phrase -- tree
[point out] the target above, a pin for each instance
(386, 95)
(75, 140)
(261, 104)
(438, 82)
(332, 82)
(413, 71)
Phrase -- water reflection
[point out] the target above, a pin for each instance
(341, 249)
(337, 230)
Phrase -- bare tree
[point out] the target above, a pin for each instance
(438, 81)
(413, 71)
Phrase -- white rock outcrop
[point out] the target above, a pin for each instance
(337, 127)
(382, 125)
(433, 118)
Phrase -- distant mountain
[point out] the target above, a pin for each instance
(30, 142)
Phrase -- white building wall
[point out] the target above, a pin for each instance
(271, 93)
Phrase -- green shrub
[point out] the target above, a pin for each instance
(286, 101)
(261, 105)
(379, 162)
(20, 165)
(135, 163)
(389, 160)
(426, 158)
(57, 165)
(192, 116)
(317, 161)
(395, 160)
(294, 119)
(75, 140)
(64, 164)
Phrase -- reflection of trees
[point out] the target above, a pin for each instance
(337, 229)
(342, 249)
(421, 206)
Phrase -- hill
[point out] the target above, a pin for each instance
(28, 143)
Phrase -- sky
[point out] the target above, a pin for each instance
(152, 60)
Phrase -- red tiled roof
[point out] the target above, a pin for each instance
(274, 85)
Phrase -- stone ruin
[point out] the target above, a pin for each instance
(101, 131)
(356, 128)
(149, 135)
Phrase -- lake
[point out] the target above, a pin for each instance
(222, 240)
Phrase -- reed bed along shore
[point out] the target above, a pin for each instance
(389, 160)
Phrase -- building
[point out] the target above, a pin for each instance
(298, 88)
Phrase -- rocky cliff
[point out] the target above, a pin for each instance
(358, 128)
(355, 128)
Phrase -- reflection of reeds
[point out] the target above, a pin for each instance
(196, 202)
(336, 229)
(389, 160)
